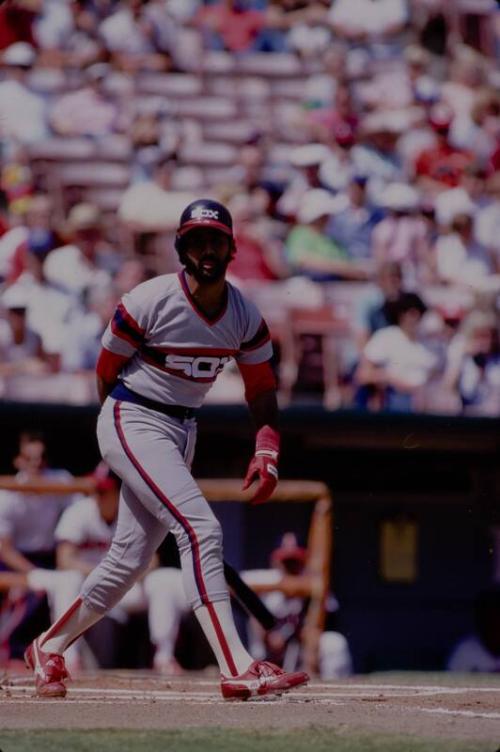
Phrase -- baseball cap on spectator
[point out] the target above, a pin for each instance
(448, 204)
(399, 197)
(83, 217)
(16, 297)
(288, 550)
(440, 117)
(19, 55)
(316, 203)
(309, 155)
(104, 478)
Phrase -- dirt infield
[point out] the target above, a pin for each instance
(457, 709)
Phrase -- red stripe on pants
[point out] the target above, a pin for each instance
(193, 540)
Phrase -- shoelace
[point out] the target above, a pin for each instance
(55, 668)
(265, 668)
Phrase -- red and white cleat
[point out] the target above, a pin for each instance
(261, 678)
(50, 671)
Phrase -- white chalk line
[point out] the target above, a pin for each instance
(89, 695)
(466, 713)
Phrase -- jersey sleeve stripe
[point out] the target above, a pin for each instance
(125, 327)
(260, 338)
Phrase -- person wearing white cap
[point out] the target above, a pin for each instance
(74, 267)
(306, 161)
(20, 347)
(22, 112)
(309, 250)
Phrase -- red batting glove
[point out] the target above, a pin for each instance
(263, 466)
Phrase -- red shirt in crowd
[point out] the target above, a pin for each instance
(15, 25)
(238, 29)
(444, 164)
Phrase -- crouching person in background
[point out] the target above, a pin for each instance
(283, 644)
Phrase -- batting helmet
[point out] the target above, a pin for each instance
(204, 213)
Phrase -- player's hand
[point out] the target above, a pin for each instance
(263, 467)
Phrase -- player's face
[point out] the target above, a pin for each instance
(207, 254)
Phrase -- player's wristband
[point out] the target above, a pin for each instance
(267, 442)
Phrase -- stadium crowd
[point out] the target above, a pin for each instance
(357, 145)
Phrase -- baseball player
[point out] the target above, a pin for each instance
(168, 340)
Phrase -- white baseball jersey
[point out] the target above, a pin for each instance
(176, 351)
(82, 525)
(29, 519)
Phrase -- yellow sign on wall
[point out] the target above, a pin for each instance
(399, 550)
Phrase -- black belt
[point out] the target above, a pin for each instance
(124, 394)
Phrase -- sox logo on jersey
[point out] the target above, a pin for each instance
(196, 367)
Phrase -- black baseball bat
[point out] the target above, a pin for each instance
(248, 598)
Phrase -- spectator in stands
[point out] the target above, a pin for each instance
(20, 347)
(306, 162)
(376, 155)
(376, 25)
(402, 235)
(35, 231)
(23, 114)
(50, 310)
(487, 219)
(83, 535)
(394, 365)
(309, 250)
(480, 651)
(461, 260)
(351, 226)
(376, 309)
(67, 34)
(442, 165)
(86, 111)
(28, 521)
(139, 36)
(82, 349)
(77, 266)
(230, 25)
(260, 255)
(473, 367)
(282, 645)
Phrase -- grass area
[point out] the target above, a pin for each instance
(215, 740)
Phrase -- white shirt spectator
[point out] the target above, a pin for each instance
(455, 265)
(54, 24)
(12, 352)
(22, 113)
(82, 348)
(29, 520)
(68, 268)
(357, 17)
(403, 358)
(49, 313)
(122, 32)
(83, 525)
